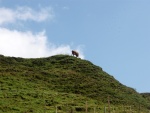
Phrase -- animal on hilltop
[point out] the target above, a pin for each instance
(75, 53)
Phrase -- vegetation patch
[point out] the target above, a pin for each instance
(62, 83)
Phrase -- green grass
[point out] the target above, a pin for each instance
(39, 85)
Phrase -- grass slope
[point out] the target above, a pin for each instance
(39, 85)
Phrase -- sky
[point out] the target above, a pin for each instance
(112, 34)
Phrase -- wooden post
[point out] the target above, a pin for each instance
(71, 110)
(130, 109)
(105, 109)
(108, 105)
(94, 110)
(44, 103)
(56, 109)
(86, 108)
(139, 108)
(123, 108)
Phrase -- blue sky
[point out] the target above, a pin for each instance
(113, 34)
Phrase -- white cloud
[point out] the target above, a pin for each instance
(29, 45)
(25, 13)
(6, 15)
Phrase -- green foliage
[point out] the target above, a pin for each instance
(41, 84)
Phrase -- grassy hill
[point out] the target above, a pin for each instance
(146, 95)
(65, 83)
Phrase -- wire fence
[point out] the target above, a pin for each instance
(92, 109)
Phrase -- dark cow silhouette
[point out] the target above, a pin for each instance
(75, 53)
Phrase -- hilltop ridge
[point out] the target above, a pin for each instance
(57, 80)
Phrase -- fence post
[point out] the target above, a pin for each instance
(123, 108)
(130, 109)
(86, 108)
(94, 110)
(72, 111)
(139, 108)
(108, 105)
(56, 109)
(105, 109)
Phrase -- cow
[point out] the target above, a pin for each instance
(75, 53)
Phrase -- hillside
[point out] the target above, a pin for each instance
(146, 95)
(39, 85)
